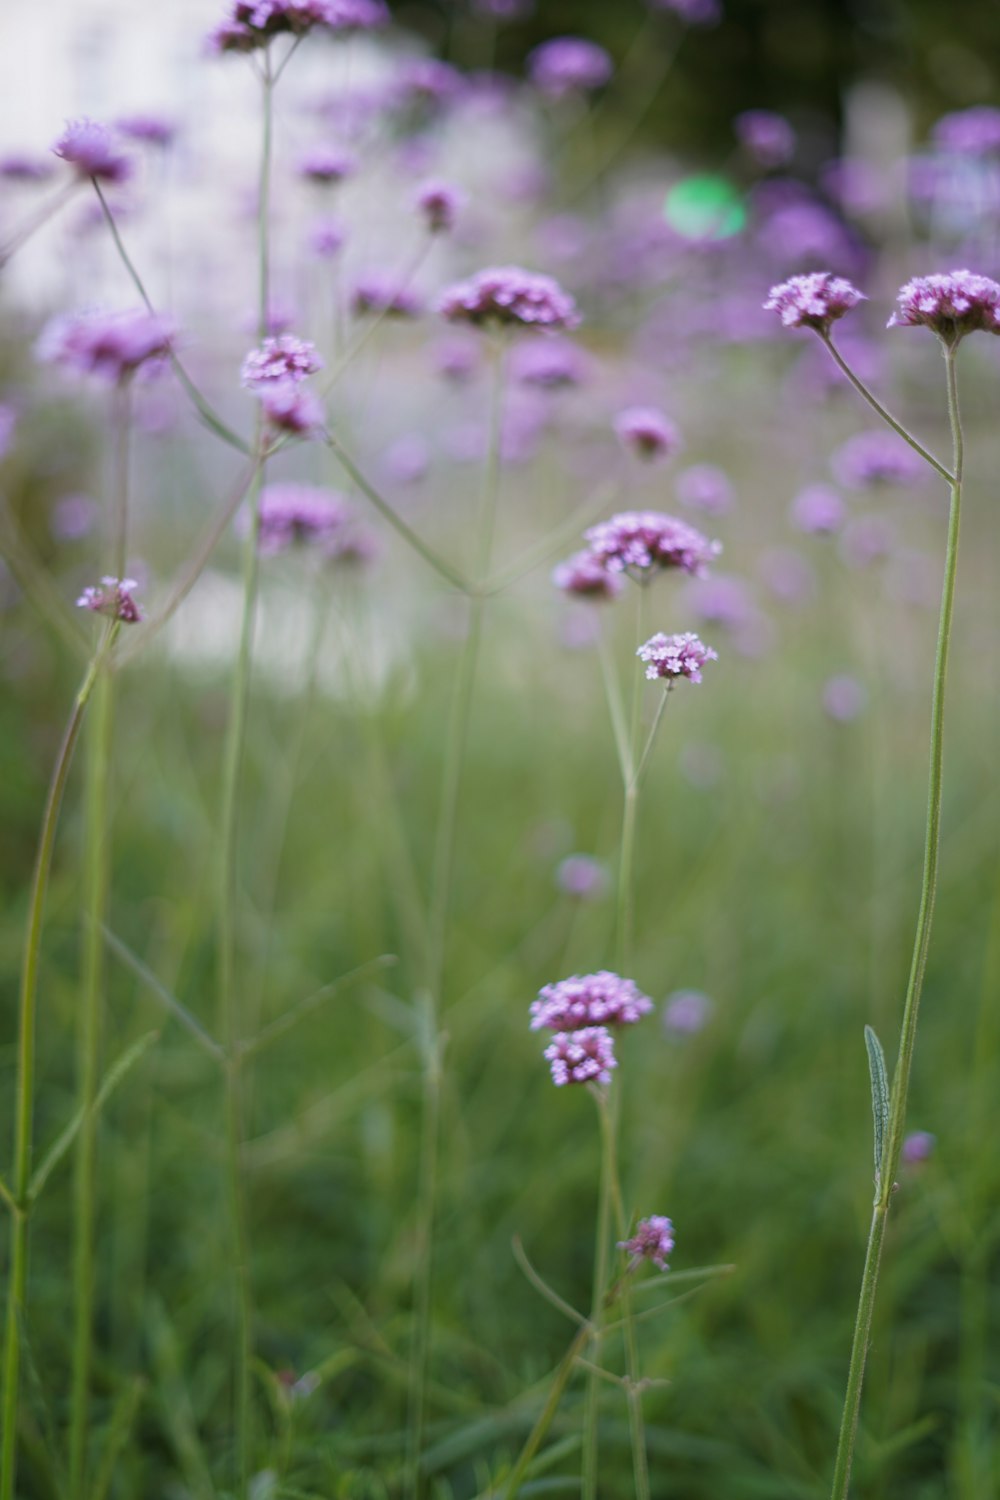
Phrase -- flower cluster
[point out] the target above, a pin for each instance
(673, 656)
(585, 574)
(298, 513)
(602, 999)
(111, 345)
(704, 487)
(113, 597)
(277, 360)
(376, 292)
(568, 65)
(92, 151)
(653, 1240)
(585, 1056)
(951, 305)
(969, 132)
(814, 301)
(548, 364)
(641, 542)
(647, 433)
(766, 137)
(250, 24)
(874, 458)
(510, 295)
(439, 204)
(326, 165)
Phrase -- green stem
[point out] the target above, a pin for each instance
(908, 1033)
(24, 1107)
(626, 871)
(637, 1430)
(537, 1435)
(440, 903)
(886, 416)
(602, 1234)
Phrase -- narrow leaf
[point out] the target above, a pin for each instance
(880, 1095)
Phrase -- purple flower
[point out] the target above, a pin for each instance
(686, 1012)
(504, 10)
(766, 137)
(509, 295)
(673, 656)
(567, 65)
(969, 132)
(152, 130)
(602, 999)
(92, 151)
(73, 517)
(866, 540)
(289, 407)
(456, 357)
(408, 459)
(113, 598)
(918, 1147)
(639, 542)
(653, 1240)
(582, 877)
(951, 305)
(439, 205)
(326, 165)
(292, 514)
(586, 1056)
(428, 85)
(844, 697)
(818, 510)
(704, 487)
(691, 12)
(326, 237)
(550, 364)
(22, 166)
(788, 575)
(250, 24)
(647, 433)
(814, 301)
(873, 458)
(377, 292)
(281, 360)
(587, 576)
(112, 345)
(8, 425)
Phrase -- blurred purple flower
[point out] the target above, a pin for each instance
(586, 576)
(92, 151)
(407, 459)
(951, 305)
(509, 295)
(641, 542)
(24, 166)
(586, 1056)
(289, 407)
(787, 574)
(601, 999)
(876, 457)
(297, 514)
(969, 132)
(818, 510)
(550, 363)
(647, 433)
(439, 205)
(918, 1147)
(865, 540)
(456, 358)
(111, 345)
(250, 24)
(327, 165)
(151, 129)
(285, 360)
(653, 1240)
(766, 137)
(691, 12)
(8, 423)
(380, 292)
(704, 487)
(113, 598)
(814, 301)
(504, 10)
(844, 697)
(73, 517)
(687, 1012)
(326, 237)
(672, 656)
(583, 877)
(568, 65)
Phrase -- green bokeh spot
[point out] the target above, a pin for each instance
(704, 208)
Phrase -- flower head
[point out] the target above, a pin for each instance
(92, 151)
(951, 305)
(250, 24)
(150, 129)
(647, 433)
(569, 64)
(377, 292)
(510, 295)
(549, 364)
(673, 656)
(814, 301)
(704, 487)
(280, 360)
(765, 136)
(644, 541)
(326, 238)
(686, 1012)
(23, 166)
(818, 510)
(327, 165)
(112, 345)
(969, 132)
(844, 697)
(602, 999)
(289, 407)
(293, 514)
(586, 1056)
(586, 576)
(114, 598)
(582, 877)
(439, 205)
(918, 1147)
(875, 458)
(653, 1240)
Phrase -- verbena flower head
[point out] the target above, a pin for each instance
(844, 697)
(510, 295)
(918, 1147)
(569, 64)
(647, 433)
(876, 458)
(673, 656)
(92, 151)
(704, 487)
(378, 292)
(814, 301)
(818, 510)
(283, 359)
(150, 129)
(969, 132)
(290, 408)
(602, 999)
(686, 1012)
(23, 166)
(111, 345)
(114, 598)
(250, 24)
(586, 576)
(765, 136)
(653, 1240)
(582, 877)
(951, 305)
(439, 204)
(641, 542)
(327, 165)
(292, 514)
(326, 238)
(586, 1056)
(550, 364)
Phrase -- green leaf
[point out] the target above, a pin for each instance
(880, 1095)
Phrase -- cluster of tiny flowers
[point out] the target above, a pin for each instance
(602, 999)
(289, 407)
(638, 542)
(377, 293)
(297, 513)
(439, 204)
(813, 301)
(767, 137)
(585, 575)
(951, 305)
(150, 129)
(647, 433)
(548, 364)
(92, 151)
(877, 457)
(277, 360)
(653, 1240)
(586, 1056)
(969, 132)
(111, 345)
(252, 23)
(510, 295)
(569, 64)
(673, 656)
(326, 165)
(114, 597)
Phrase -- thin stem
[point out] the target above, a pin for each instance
(24, 1105)
(376, 322)
(633, 1387)
(886, 416)
(626, 872)
(439, 907)
(651, 737)
(537, 1435)
(36, 220)
(121, 428)
(908, 1033)
(602, 1232)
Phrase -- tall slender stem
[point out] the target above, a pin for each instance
(24, 1106)
(602, 1233)
(440, 903)
(637, 1426)
(887, 417)
(908, 1033)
